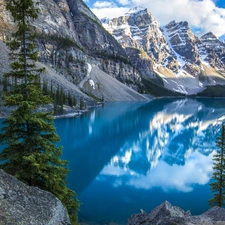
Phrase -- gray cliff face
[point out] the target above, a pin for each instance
(140, 30)
(140, 59)
(89, 41)
(168, 214)
(70, 37)
(213, 50)
(182, 40)
(22, 205)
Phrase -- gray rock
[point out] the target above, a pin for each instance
(216, 213)
(24, 205)
(166, 214)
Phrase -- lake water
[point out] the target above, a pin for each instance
(125, 157)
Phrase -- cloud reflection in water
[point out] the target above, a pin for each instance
(174, 154)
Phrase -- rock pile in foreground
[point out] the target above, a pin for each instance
(166, 214)
(24, 205)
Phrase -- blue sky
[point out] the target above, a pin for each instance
(220, 3)
(202, 15)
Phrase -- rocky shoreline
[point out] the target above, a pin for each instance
(21, 204)
(167, 214)
(68, 111)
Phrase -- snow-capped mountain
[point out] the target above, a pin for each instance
(184, 62)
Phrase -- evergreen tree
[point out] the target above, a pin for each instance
(74, 101)
(31, 153)
(70, 100)
(82, 103)
(218, 185)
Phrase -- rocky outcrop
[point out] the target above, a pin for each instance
(24, 205)
(169, 215)
(213, 50)
(182, 40)
(139, 29)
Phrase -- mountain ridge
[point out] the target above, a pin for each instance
(70, 38)
(136, 51)
(175, 52)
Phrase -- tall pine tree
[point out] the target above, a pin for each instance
(31, 153)
(218, 184)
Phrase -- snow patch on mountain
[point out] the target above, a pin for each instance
(135, 10)
(167, 35)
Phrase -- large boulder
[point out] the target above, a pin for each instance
(166, 214)
(24, 205)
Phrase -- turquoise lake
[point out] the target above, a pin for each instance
(128, 156)
(125, 157)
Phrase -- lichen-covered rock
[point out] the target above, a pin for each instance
(24, 205)
(166, 214)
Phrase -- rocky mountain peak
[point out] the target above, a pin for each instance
(208, 36)
(213, 50)
(136, 10)
(141, 16)
(139, 29)
(210, 40)
(170, 51)
(182, 28)
(182, 40)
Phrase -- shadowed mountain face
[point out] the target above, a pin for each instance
(173, 52)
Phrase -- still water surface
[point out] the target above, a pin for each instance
(125, 157)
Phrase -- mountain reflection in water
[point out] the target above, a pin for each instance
(127, 156)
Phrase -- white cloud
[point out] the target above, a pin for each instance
(199, 14)
(124, 2)
(103, 4)
(197, 170)
(111, 12)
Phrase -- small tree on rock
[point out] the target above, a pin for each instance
(218, 184)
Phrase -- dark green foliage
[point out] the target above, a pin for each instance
(213, 91)
(113, 57)
(218, 185)
(82, 103)
(90, 95)
(62, 42)
(31, 153)
(150, 87)
(74, 101)
(70, 100)
(60, 98)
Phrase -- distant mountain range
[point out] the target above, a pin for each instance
(114, 59)
(185, 63)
